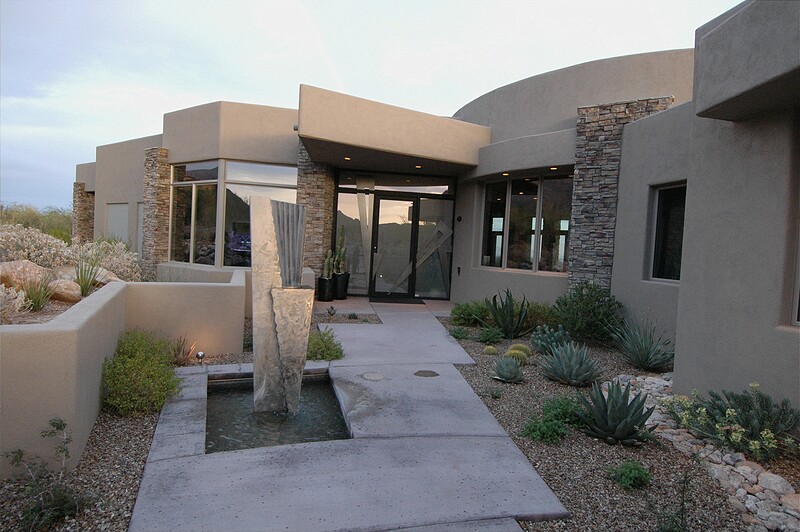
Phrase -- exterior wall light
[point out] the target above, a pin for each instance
(554, 168)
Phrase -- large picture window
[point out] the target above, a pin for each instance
(526, 224)
(668, 241)
(202, 235)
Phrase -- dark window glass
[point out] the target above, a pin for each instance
(205, 224)
(494, 224)
(397, 183)
(556, 210)
(669, 233)
(205, 171)
(181, 223)
(522, 225)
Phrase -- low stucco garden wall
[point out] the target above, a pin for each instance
(54, 369)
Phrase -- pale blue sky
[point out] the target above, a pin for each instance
(75, 74)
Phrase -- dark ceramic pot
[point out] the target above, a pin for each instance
(325, 289)
(341, 282)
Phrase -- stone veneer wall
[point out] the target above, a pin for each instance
(155, 225)
(82, 214)
(594, 195)
(316, 190)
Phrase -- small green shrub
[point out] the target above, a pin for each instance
(630, 474)
(86, 272)
(331, 311)
(508, 315)
(460, 333)
(564, 409)
(540, 314)
(50, 498)
(587, 312)
(352, 316)
(750, 422)
(470, 314)
(570, 364)
(519, 356)
(38, 291)
(507, 369)
(495, 393)
(546, 430)
(544, 339)
(247, 339)
(615, 419)
(323, 345)
(490, 350)
(641, 347)
(139, 378)
(12, 301)
(490, 335)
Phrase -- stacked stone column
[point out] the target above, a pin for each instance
(315, 189)
(155, 225)
(82, 214)
(594, 195)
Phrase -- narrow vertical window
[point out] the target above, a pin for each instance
(494, 224)
(668, 245)
(556, 210)
(522, 224)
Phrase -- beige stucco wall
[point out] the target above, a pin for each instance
(119, 178)
(655, 151)
(739, 258)
(228, 130)
(85, 173)
(54, 369)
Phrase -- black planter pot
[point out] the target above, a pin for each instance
(341, 281)
(325, 289)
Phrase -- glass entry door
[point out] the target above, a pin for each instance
(411, 247)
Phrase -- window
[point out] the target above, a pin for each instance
(526, 224)
(668, 241)
(198, 234)
(117, 221)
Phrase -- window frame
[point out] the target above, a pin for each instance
(539, 180)
(653, 218)
(795, 316)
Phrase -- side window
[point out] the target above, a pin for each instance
(668, 240)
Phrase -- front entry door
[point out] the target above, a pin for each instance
(411, 247)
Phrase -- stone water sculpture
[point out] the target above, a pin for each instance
(281, 307)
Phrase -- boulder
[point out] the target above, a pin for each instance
(66, 291)
(16, 273)
(64, 272)
(775, 483)
(791, 501)
(106, 276)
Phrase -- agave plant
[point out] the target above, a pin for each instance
(508, 315)
(507, 369)
(544, 339)
(569, 364)
(617, 418)
(641, 347)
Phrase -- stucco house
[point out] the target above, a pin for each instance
(673, 178)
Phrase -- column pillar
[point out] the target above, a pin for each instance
(155, 225)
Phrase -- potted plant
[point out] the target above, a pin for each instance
(325, 285)
(341, 277)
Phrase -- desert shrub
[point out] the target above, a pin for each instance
(21, 243)
(12, 301)
(38, 291)
(615, 418)
(113, 255)
(750, 421)
(630, 474)
(552, 426)
(544, 339)
(54, 221)
(540, 314)
(139, 377)
(322, 345)
(490, 335)
(507, 369)
(470, 314)
(459, 333)
(182, 351)
(641, 347)
(49, 497)
(352, 316)
(508, 315)
(247, 340)
(570, 364)
(490, 350)
(587, 311)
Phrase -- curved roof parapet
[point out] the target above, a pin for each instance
(548, 102)
(377, 136)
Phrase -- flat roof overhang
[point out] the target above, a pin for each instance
(380, 137)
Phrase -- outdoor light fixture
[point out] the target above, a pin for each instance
(418, 166)
(347, 158)
(554, 168)
(505, 174)
(200, 355)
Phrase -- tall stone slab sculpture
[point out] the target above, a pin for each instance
(281, 307)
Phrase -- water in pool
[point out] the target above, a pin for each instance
(231, 423)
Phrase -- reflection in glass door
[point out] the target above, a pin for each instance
(434, 249)
(392, 266)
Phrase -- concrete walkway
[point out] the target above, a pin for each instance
(425, 454)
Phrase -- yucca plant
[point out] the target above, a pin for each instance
(507, 369)
(86, 271)
(508, 315)
(642, 348)
(38, 291)
(616, 418)
(569, 364)
(544, 339)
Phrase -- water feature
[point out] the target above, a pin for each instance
(232, 424)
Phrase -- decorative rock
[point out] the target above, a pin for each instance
(67, 291)
(16, 273)
(757, 469)
(732, 458)
(750, 504)
(775, 483)
(791, 501)
(105, 276)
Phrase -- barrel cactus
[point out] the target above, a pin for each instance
(490, 350)
(569, 364)
(507, 369)
(617, 418)
(519, 356)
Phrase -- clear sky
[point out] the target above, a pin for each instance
(76, 74)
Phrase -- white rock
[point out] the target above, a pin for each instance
(775, 483)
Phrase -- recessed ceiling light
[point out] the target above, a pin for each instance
(554, 168)
(418, 166)
(521, 193)
(408, 181)
(347, 158)
(505, 173)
